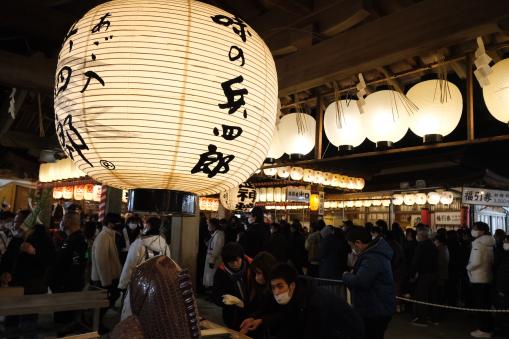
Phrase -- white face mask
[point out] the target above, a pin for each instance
(475, 233)
(132, 226)
(506, 246)
(283, 298)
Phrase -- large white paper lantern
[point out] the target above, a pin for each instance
(496, 93)
(446, 197)
(276, 150)
(385, 117)
(173, 94)
(283, 172)
(309, 175)
(440, 106)
(297, 173)
(397, 199)
(241, 198)
(409, 199)
(277, 194)
(297, 130)
(263, 194)
(344, 129)
(270, 194)
(421, 198)
(433, 198)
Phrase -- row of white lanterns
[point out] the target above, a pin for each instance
(316, 177)
(291, 207)
(356, 203)
(432, 198)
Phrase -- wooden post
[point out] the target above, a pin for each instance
(470, 99)
(95, 323)
(319, 128)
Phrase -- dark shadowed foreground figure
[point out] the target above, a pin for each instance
(162, 303)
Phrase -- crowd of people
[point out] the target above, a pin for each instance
(267, 276)
(242, 263)
(81, 253)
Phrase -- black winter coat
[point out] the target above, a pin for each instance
(255, 239)
(279, 246)
(372, 283)
(425, 260)
(314, 313)
(68, 271)
(502, 274)
(333, 254)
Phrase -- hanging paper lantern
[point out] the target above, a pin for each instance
(283, 194)
(125, 196)
(57, 192)
(298, 132)
(433, 198)
(67, 192)
(297, 173)
(336, 180)
(343, 181)
(326, 204)
(377, 202)
(358, 203)
(242, 198)
(97, 193)
(359, 183)
(270, 171)
(277, 194)
(327, 179)
(318, 177)
(263, 194)
(89, 192)
(351, 184)
(344, 129)
(386, 203)
(214, 205)
(276, 150)
(270, 194)
(314, 202)
(283, 172)
(309, 175)
(409, 199)
(181, 86)
(340, 204)
(350, 203)
(397, 199)
(367, 203)
(440, 106)
(421, 198)
(258, 171)
(385, 118)
(202, 203)
(446, 197)
(496, 93)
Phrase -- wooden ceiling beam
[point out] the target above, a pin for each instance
(19, 71)
(417, 29)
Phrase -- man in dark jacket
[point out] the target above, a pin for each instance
(68, 271)
(278, 245)
(256, 238)
(305, 311)
(371, 282)
(333, 254)
(424, 271)
(231, 285)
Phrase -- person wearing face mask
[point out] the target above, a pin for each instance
(424, 273)
(305, 311)
(232, 284)
(371, 282)
(129, 234)
(260, 295)
(480, 274)
(502, 287)
(214, 248)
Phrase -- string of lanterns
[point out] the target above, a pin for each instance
(356, 203)
(432, 198)
(208, 204)
(88, 192)
(316, 177)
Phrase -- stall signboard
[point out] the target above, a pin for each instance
(482, 196)
(448, 218)
(321, 210)
(297, 194)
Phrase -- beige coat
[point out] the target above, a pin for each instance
(105, 261)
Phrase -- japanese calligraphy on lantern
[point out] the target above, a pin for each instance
(242, 198)
(482, 196)
(166, 101)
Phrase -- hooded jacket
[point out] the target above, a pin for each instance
(140, 249)
(372, 283)
(480, 264)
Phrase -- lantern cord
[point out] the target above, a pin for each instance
(339, 106)
(326, 148)
(41, 125)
